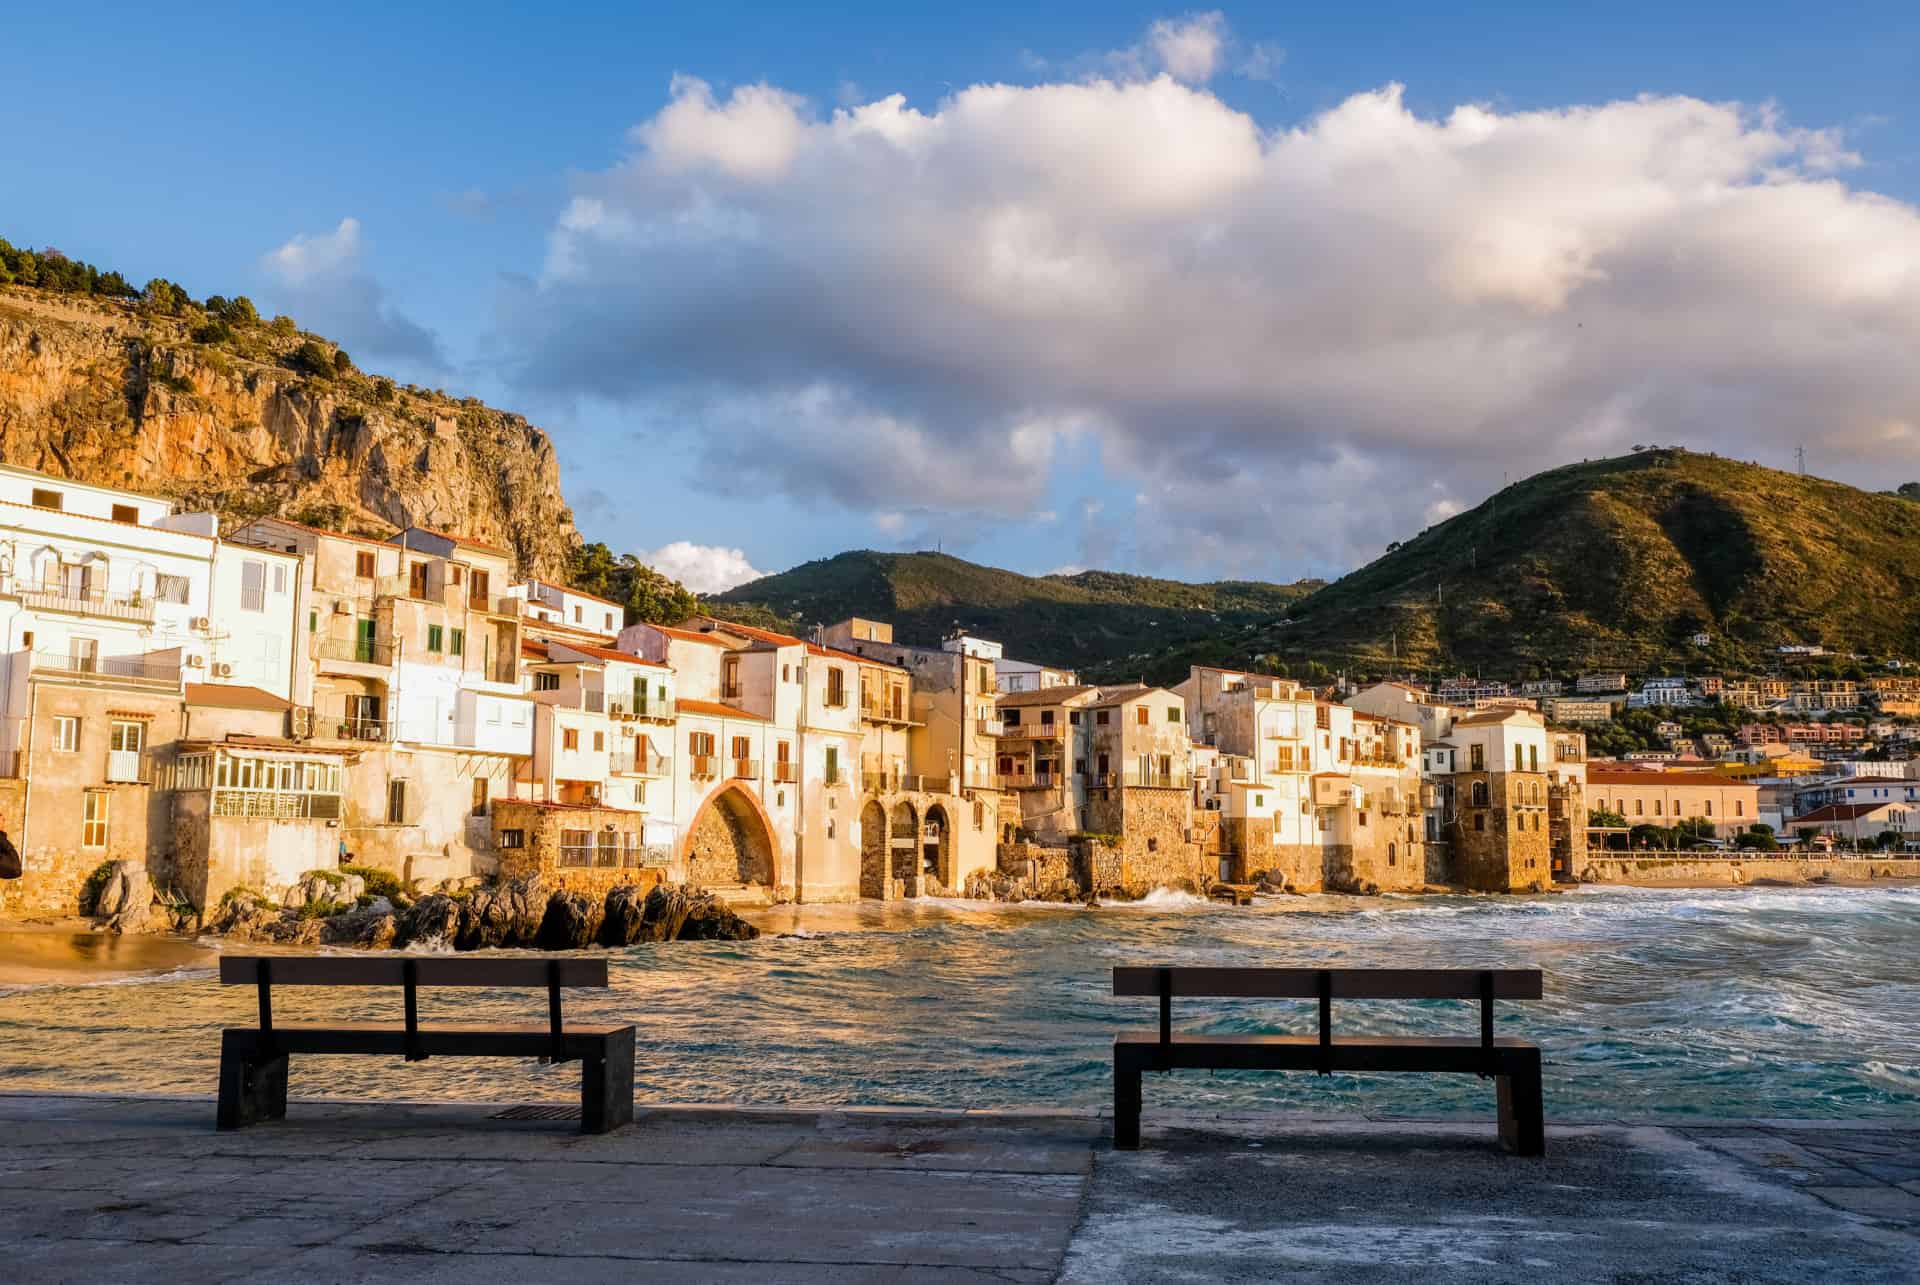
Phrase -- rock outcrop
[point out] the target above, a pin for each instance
(126, 898)
(100, 391)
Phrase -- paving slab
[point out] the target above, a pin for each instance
(133, 1190)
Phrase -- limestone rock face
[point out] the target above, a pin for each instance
(432, 920)
(507, 914)
(98, 391)
(572, 922)
(126, 898)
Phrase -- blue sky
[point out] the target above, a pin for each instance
(465, 143)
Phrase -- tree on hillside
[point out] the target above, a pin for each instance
(313, 358)
(647, 595)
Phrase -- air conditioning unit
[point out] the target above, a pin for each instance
(617, 709)
(223, 669)
(341, 607)
(200, 622)
(196, 662)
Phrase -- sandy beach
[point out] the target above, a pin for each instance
(70, 951)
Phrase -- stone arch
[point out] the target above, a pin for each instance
(876, 871)
(903, 840)
(731, 840)
(936, 847)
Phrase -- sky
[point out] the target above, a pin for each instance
(1203, 293)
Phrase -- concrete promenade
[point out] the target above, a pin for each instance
(128, 1189)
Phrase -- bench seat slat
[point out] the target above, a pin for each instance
(443, 1041)
(429, 970)
(1313, 1041)
(1347, 983)
(1144, 1051)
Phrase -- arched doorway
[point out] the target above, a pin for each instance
(876, 876)
(729, 842)
(903, 839)
(936, 849)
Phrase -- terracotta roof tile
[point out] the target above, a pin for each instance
(227, 696)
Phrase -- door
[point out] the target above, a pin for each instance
(363, 640)
(417, 580)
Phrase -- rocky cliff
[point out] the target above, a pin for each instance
(105, 392)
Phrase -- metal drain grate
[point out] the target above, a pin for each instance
(537, 1113)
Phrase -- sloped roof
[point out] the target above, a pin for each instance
(713, 709)
(228, 696)
(1045, 696)
(688, 635)
(609, 654)
(1844, 811)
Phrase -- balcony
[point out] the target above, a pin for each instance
(638, 765)
(746, 769)
(1044, 781)
(784, 772)
(897, 782)
(356, 651)
(1133, 777)
(128, 767)
(657, 710)
(407, 587)
(87, 602)
(132, 669)
(704, 767)
(988, 727)
(366, 729)
(1032, 731)
(876, 707)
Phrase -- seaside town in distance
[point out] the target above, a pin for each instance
(221, 711)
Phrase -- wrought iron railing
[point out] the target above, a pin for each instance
(358, 650)
(87, 602)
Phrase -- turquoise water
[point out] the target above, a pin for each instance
(1737, 1002)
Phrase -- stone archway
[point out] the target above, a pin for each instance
(936, 849)
(730, 841)
(876, 872)
(903, 839)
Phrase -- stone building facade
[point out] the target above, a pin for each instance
(574, 847)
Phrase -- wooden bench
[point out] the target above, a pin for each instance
(253, 1060)
(1513, 1064)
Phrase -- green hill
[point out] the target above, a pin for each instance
(1101, 622)
(1620, 563)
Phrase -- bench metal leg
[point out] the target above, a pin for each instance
(252, 1087)
(606, 1085)
(1126, 1104)
(1523, 1126)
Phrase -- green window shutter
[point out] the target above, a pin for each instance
(459, 647)
(433, 637)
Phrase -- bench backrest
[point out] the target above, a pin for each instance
(410, 972)
(1339, 983)
(1327, 985)
(426, 970)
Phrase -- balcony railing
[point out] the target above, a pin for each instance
(1020, 781)
(407, 587)
(877, 708)
(366, 729)
(1176, 779)
(135, 668)
(704, 767)
(653, 709)
(784, 771)
(746, 769)
(87, 602)
(908, 782)
(128, 767)
(356, 650)
(594, 702)
(1032, 731)
(989, 727)
(638, 764)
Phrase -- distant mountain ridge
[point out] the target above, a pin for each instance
(1624, 562)
(1097, 621)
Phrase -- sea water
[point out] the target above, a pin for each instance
(1730, 1002)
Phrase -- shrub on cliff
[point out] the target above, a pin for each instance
(312, 358)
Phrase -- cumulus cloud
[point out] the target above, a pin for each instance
(323, 284)
(1189, 48)
(1281, 339)
(703, 568)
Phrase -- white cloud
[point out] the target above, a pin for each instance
(1280, 338)
(1189, 48)
(703, 568)
(320, 281)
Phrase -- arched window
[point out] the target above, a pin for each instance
(1479, 794)
(1391, 858)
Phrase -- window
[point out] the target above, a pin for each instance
(457, 642)
(396, 802)
(172, 589)
(435, 637)
(1533, 758)
(1073, 717)
(279, 578)
(1141, 715)
(1477, 758)
(1639, 807)
(730, 678)
(576, 847)
(546, 681)
(363, 564)
(1173, 713)
(833, 765)
(836, 687)
(513, 838)
(1103, 765)
(478, 586)
(1739, 808)
(46, 499)
(1519, 758)
(126, 513)
(479, 796)
(700, 744)
(1361, 817)
(1480, 821)
(576, 620)
(1709, 811)
(609, 622)
(66, 734)
(1012, 718)
(569, 738)
(127, 736)
(313, 622)
(253, 586)
(1479, 794)
(1100, 718)
(786, 673)
(599, 741)
(1046, 717)
(1657, 806)
(93, 823)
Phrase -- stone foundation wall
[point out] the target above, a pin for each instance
(1387, 856)
(540, 855)
(1626, 869)
(51, 878)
